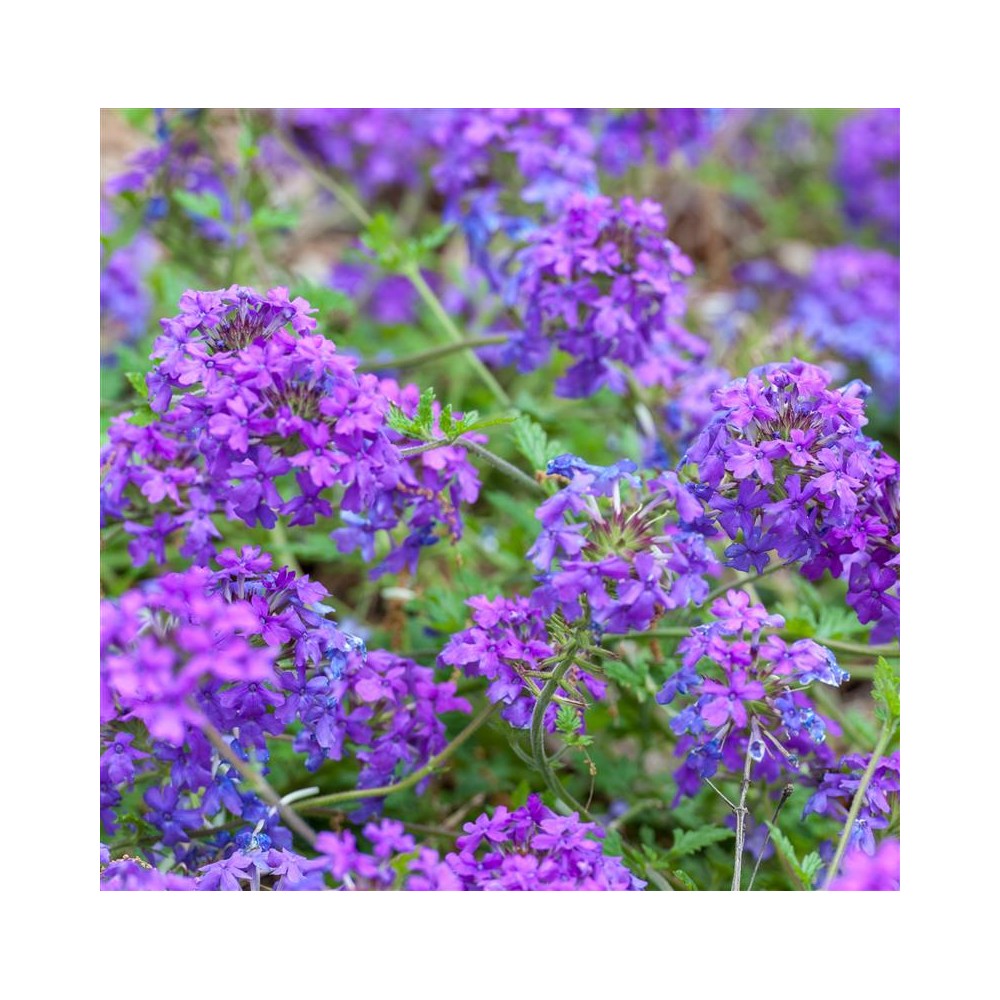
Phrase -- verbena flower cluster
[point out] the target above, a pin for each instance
(529, 849)
(849, 303)
(867, 169)
(534, 848)
(784, 469)
(748, 690)
(608, 597)
(258, 422)
(604, 284)
(878, 872)
(178, 163)
(630, 136)
(615, 551)
(250, 652)
(836, 791)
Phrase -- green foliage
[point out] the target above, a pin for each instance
(691, 841)
(886, 692)
(567, 725)
(803, 871)
(204, 204)
(420, 426)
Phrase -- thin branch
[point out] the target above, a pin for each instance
(433, 354)
(888, 728)
(259, 783)
(336, 798)
(786, 794)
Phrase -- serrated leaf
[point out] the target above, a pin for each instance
(804, 874)
(423, 420)
(691, 841)
(567, 720)
(475, 424)
(446, 421)
(531, 441)
(886, 692)
(205, 204)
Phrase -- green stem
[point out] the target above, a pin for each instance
(838, 646)
(680, 631)
(888, 728)
(503, 465)
(422, 357)
(336, 798)
(433, 303)
(555, 786)
(342, 194)
(410, 270)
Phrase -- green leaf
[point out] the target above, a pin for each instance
(381, 240)
(138, 382)
(326, 300)
(612, 844)
(436, 237)
(267, 218)
(685, 879)
(424, 417)
(137, 117)
(531, 440)
(143, 417)
(206, 204)
(805, 870)
(886, 692)
(691, 841)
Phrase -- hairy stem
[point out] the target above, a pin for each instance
(503, 465)
(741, 821)
(433, 303)
(888, 728)
(553, 783)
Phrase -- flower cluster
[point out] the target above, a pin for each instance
(849, 304)
(613, 561)
(534, 849)
(753, 691)
(379, 148)
(250, 651)
(531, 849)
(605, 285)
(177, 167)
(429, 494)
(628, 137)
(509, 645)
(258, 422)
(125, 299)
(836, 791)
(878, 872)
(867, 170)
(784, 467)
(549, 151)
(159, 645)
